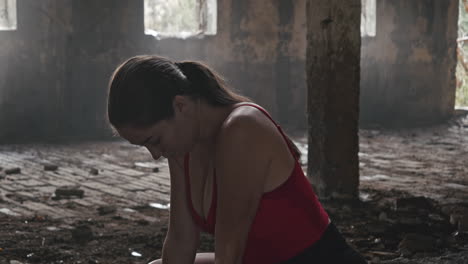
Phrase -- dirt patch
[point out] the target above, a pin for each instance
(111, 238)
(374, 227)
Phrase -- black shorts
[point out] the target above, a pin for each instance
(330, 249)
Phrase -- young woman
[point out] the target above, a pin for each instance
(234, 173)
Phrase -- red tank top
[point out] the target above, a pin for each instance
(289, 218)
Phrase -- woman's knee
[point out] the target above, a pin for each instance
(200, 258)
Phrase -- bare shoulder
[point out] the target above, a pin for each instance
(246, 122)
(246, 135)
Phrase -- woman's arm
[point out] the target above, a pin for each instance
(242, 164)
(183, 235)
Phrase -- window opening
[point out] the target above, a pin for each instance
(180, 18)
(368, 18)
(7, 14)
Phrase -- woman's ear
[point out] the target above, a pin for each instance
(178, 103)
(181, 104)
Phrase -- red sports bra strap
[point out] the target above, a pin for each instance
(278, 126)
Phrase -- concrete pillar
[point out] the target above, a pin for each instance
(333, 72)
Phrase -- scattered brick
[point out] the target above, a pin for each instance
(13, 171)
(50, 167)
(103, 210)
(94, 171)
(68, 192)
(82, 234)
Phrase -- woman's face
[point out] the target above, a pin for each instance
(169, 138)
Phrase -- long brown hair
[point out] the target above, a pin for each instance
(142, 89)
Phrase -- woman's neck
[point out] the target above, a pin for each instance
(211, 121)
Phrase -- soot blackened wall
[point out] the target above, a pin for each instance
(408, 68)
(57, 64)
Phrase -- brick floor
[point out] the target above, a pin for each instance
(119, 182)
(432, 162)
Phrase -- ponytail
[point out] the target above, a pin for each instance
(207, 84)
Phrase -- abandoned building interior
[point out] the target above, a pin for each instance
(373, 93)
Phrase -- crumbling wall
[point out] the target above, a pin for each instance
(32, 70)
(105, 33)
(408, 69)
(59, 61)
